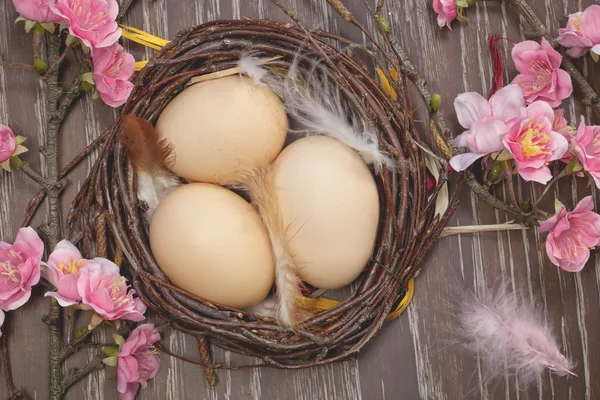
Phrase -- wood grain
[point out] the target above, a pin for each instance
(413, 357)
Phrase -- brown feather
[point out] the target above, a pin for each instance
(147, 151)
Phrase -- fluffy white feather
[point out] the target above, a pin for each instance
(153, 188)
(508, 336)
(252, 66)
(315, 105)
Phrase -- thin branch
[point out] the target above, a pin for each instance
(10, 386)
(35, 176)
(455, 230)
(124, 8)
(54, 66)
(563, 173)
(17, 65)
(77, 374)
(12, 392)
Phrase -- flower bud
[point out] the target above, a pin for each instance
(526, 206)
(385, 24)
(40, 66)
(430, 183)
(494, 174)
(435, 102)
(87, 87)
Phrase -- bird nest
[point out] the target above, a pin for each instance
(108, 213)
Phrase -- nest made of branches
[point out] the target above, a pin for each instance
(108, 212)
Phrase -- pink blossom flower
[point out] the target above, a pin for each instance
(532, 142)
(1, 321)
(561, 125)
(62, 271)
(486, 122)
(105, 291)
(8, 143)
(113, 68)
(571, 234)
(137, 361)
(92, 21)
(582, 32)
(19, 268)
(36, 10)
(540, 75)
(587, 148)
(447, 12)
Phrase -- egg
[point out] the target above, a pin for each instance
(330, 203)
(216, 126)
(212, 243)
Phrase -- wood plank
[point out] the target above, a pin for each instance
(412, 357)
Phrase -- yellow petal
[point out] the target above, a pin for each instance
(385, 84)
(323, 304)
(140, 64)
(20, 139)
(143, 38)
(394, 74)
(5, 165)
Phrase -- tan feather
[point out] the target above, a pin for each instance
(259, 185)
(147, 151)
(150, 157)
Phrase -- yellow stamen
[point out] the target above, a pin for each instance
(533, 141)
(72, 266)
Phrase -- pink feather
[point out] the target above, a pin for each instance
(508, 336)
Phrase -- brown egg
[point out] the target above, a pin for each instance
(218, 125)
(212, 243)
(329, 200)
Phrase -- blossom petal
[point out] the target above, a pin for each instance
(471, 107)
(562, 146)
(540, 109)
(541, 175)
(507, 102)
(590, 23)
(461, 162)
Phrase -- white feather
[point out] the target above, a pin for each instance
(316, 107)
(252, 66)
(152, 189)
(266, 308)
(508, 336)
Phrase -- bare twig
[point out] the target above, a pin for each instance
(13, 393)
(455, 230)
(76, 374)
(17, 65)
(124, 8)
(55, 66)
(563, 173)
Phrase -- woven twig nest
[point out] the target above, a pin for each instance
(408, 224)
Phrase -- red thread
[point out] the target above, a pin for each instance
(497, 61)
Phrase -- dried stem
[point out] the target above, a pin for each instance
(124, 8)
(55, 66)
(76, 374)
(563, 173)
(10, 386)
(57, 109)
(10, 65)
(13, 393)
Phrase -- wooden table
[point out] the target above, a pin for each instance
(413, 357)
